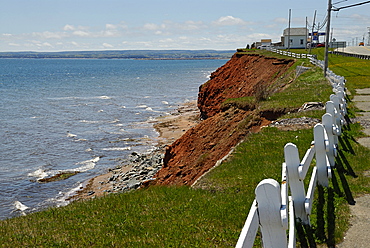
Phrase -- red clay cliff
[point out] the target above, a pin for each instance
(202, 146)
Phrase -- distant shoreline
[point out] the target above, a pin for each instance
(118, 58)
(124, 54)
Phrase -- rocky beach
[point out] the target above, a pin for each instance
(141, 168)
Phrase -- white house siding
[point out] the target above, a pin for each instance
(297, 37)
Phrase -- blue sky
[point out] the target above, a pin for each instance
(74, 25)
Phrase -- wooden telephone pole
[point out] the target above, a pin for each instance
(327, 38)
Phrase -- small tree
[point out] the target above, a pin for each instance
(247, 46)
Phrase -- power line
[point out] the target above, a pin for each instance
(349, 6)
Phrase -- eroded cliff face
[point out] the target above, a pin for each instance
(239, 77)
(203, 145)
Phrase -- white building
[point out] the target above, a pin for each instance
(297, 36)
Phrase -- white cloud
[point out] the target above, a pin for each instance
(229, 21)
(168, 40)
(74, 43)
(151, 26)
(14, 44)
(118, 26)
(109, 33)
(69, 28)
(81, 33)
(49, 35)
(110, 26)
(45, 44)
(107, 45)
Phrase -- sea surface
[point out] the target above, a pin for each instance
(84, 115)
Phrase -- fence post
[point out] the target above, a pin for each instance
(322, 162)
(248, 234)
(330, 108)
(339, 118)
(296, 185)
(268, 197)
(327, 121)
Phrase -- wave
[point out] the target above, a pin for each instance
(81, 98)
(62, 198)
(104, 97)
(39, 174)
(20, 206)
(89, 122)
(71, 135)
(128, 148)
(84, 166)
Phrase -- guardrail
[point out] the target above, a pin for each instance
(360, 56)
(273, 210)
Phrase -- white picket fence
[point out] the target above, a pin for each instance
(291, 54)
(312, 58)
(273, 211)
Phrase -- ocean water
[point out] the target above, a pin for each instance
(83, 115)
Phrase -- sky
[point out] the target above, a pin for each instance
(90, 25)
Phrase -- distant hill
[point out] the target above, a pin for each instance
(124, 54)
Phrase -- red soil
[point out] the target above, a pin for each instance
(202, 146)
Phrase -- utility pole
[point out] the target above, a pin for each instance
(290, 13)
(305, 43)
(327, 37)
(313, 27)
(368, 40)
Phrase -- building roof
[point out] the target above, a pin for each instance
(296, 31)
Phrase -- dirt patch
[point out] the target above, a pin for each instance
(243, 75)
(295, 123)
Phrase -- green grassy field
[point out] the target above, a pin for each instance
(213, 214)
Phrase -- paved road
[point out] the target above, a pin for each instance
(363, 50)
(358, 233)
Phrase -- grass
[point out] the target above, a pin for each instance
(356, 71)
(213, 214)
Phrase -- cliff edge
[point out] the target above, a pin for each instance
(223, 126)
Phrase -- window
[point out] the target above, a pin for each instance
(301, 41)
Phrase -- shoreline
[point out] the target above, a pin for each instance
(141, 167)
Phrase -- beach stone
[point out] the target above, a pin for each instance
(133, 183)
(143, 168)
(311, 106)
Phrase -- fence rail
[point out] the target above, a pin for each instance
(273, 210)
(360, 56)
